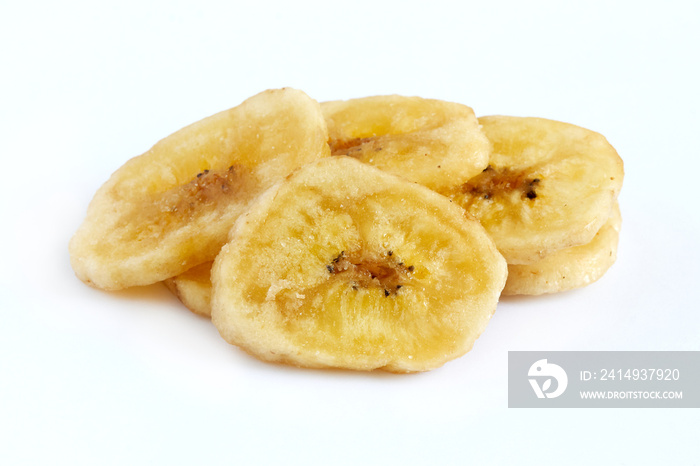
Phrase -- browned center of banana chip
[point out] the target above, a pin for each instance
(494, 181)
(209, 190)
(362, 271)
(352, 147)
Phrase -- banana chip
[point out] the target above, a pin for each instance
(434, 143)
(568, 268)
(549, 186)
(171, 208)
(343, 265)
(193, 288)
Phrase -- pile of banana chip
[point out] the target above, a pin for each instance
(375, 233)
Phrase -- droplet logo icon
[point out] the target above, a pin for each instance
(543, 372)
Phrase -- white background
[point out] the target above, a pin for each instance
(89, 377)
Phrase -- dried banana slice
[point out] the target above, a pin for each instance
(568, 268)
(549, 185)
(343, 265)
(171, 208)
(435, 143)
(193, 288)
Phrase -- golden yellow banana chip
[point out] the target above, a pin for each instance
(435, 143)
(193, 288)
(549, 186)
(343, 265)
(568, 268)
(171, 208)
